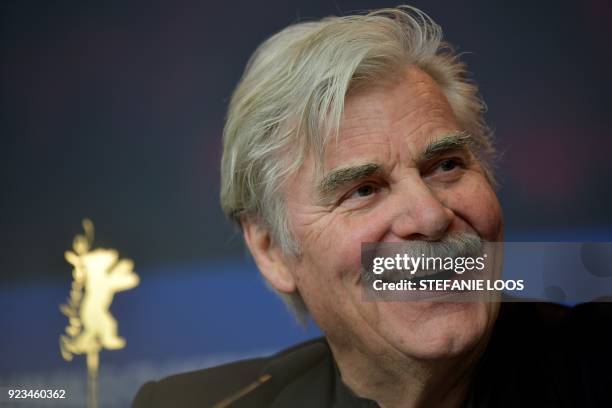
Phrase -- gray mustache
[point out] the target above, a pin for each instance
(453, 245)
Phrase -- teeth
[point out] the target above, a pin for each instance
(421, 273)
(425, 272)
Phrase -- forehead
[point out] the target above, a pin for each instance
(395, 121)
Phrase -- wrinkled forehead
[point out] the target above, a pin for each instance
(388, 121)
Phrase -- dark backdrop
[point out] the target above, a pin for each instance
(114, 111)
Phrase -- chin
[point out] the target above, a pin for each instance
(435, 330)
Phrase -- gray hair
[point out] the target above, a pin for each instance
(290, 100)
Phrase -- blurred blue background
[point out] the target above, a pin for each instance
(114, 111)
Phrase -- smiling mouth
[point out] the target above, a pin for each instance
(397, 276)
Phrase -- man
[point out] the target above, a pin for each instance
(363, 129)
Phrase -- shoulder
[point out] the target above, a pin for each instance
(209, 386)
(554, 327)
(547, 353)
(589, 319)
(587, 353)
(202, 387)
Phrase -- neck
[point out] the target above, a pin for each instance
(395, 380)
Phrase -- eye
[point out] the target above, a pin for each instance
(447, 169)
(364, 191)
(449, 164)
(363, 195)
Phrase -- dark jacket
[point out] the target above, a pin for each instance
(540, 355)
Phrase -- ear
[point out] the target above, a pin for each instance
(268, 257)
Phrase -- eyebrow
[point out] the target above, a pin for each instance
(447, 143)
(338, 178)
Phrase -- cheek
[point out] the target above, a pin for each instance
(334, 242)
(327, 274)
(476, 203)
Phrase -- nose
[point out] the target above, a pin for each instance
(419, 214)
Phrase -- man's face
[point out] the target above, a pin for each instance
(381, 183)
